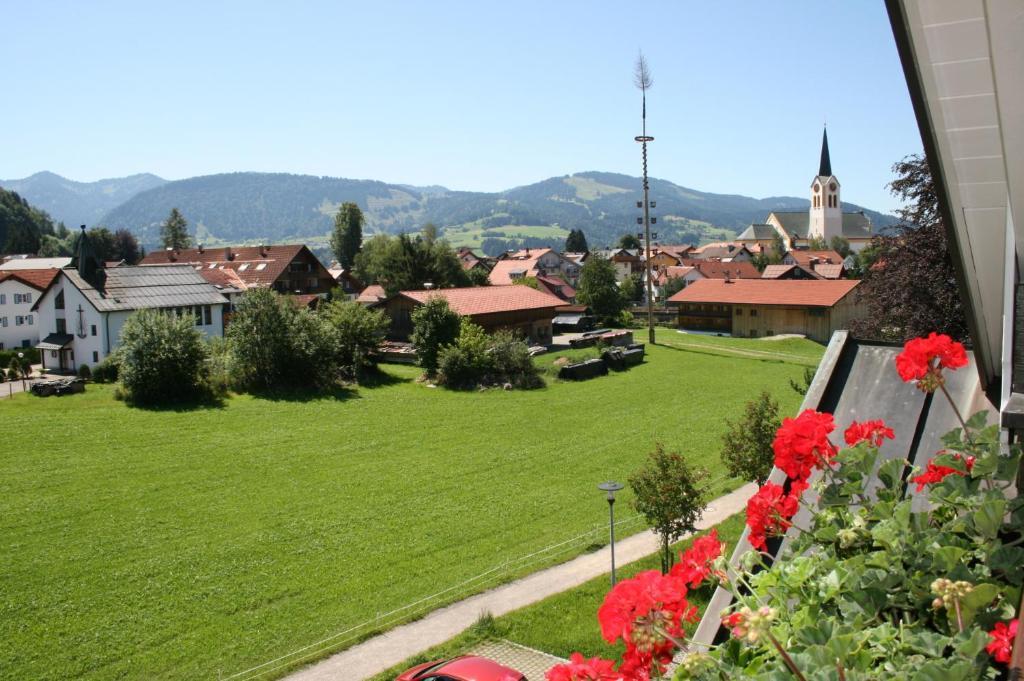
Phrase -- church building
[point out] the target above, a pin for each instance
(825, 217)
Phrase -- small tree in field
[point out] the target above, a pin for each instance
(747, 445)
(671, 496)
(599, 289)
(356, 331)
(434, 326)
(163, 358)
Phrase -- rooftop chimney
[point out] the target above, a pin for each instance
(227, 253)
(727, 279)
(200, 248)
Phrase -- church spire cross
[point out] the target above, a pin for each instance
(825, 168)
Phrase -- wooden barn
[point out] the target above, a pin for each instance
(767, 307)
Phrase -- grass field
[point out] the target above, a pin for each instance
(567, 622)
(200, 543)
(472, 235)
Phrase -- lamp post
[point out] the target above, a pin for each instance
(611, 487)
(21, 363)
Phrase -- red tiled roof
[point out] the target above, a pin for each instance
(372, 294)
(37, 279)
(805, 258)
(222, 278)
(556, 287)
(829, 270)
(716, 269)
(255, 266)
(789, 292)
(678, 251)
(301, 300)
(480, 300)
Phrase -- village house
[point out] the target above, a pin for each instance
(726, 251)
(286, 268)
(766, 307)
(471, 261)
(345, 280)
(83, 309)
(578, 258)
(626, 262)
(826, 264)
(520, 309)
(19, 291)
(695, 270)
(793, 271)
(533, 263)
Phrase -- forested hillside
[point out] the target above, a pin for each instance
(78, 203)
(22, 226)
(240, 207)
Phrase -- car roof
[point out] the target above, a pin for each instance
(472, 668)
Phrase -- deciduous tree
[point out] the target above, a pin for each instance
(671, 495)
(163, 358)
(910, 288)
(435, 325)
(599, 289)
(747, 444)
(630, 241)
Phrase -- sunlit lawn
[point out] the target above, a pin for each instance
(199, 543)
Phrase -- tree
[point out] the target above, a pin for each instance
(347, 238)
(576, 242)
(174, 231)
(671, 496)
(817, 243)
(22, 227)
(274, 344)
(633, 288)
(435, 325)
(599, 289)
(104, 245)
(405, 262)
(630, 241)
(163, 358)
(357, 331)
(909, 288)
(747, 444)
(840, 245)
(478, 276)
(672, 287)
(778, 249)
(126, 247)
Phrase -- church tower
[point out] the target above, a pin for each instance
(826, 215)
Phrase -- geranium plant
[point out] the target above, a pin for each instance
(891, 577)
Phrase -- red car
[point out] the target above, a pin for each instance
(465, 668)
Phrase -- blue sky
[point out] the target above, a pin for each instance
(471, 95)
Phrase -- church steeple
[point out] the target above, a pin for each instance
(825, 167)
(86, 262)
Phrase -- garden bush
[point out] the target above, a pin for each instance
(163, 359)
(477, 359)
(512, 362)
(84, 372)
(107, 370)
(435, 325)
(356, 332)
(877, 585)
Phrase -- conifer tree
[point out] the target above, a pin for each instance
(174, 231)
(347, 239)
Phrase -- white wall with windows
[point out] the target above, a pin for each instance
(19, 325)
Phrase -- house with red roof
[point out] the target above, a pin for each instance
(520, 309)
(19, 291)
(286, 268)
(531, 263)
(766, 307)
(826, 264)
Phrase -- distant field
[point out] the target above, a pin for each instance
(199, 543)
(474, 236)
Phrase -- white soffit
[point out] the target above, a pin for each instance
(970, 61)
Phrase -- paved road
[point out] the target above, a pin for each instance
(388, 649)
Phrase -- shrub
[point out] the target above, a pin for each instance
(273, 344)
(31, 355)
(356, 332)
(84, 372)
(107, 370)
(510, 356)
(163, 358)
(435, 325)
(467, 362)
(747, 445)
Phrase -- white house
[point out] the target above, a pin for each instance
(83, 309)
(19, 291)
(28, 263)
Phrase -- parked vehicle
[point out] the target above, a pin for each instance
(465, 668)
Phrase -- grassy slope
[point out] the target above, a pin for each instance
(198, 543)
(567, 622)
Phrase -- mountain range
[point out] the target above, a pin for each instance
(275, 207)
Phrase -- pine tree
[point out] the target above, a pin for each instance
(347, 239)
(576, 242)
(174, 232)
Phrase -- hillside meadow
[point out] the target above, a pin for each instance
(199, 543)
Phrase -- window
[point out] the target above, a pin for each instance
(28, 320)
(62, 326)
(27, 298)
(53, 354)
(753, 333)
(26, 343)
(95, 356)
(19, 320)
(92, 329)
(3, 298)
(207, 315)
(243, 267)
(3, 322)
(816, 312)
(262, 266)
(753, 313)
(198, 312)
(739, 312)
(58, 302)
(1, 346)
(314, 283)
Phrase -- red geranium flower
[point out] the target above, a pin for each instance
(642, 610)
(694, 564)
(769, 512)
(802, 444)
(918, 363)
(872, 431)
(936, 473)
(1001, 646)
(580, 669)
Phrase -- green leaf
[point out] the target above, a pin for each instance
(944, 670)
(945, 558)
(989, 517)
(978, 420)
(974, 644)
(980, 597)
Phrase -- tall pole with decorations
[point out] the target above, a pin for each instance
(642, 79)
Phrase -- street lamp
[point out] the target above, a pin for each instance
(611, 487)
(21, 363)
